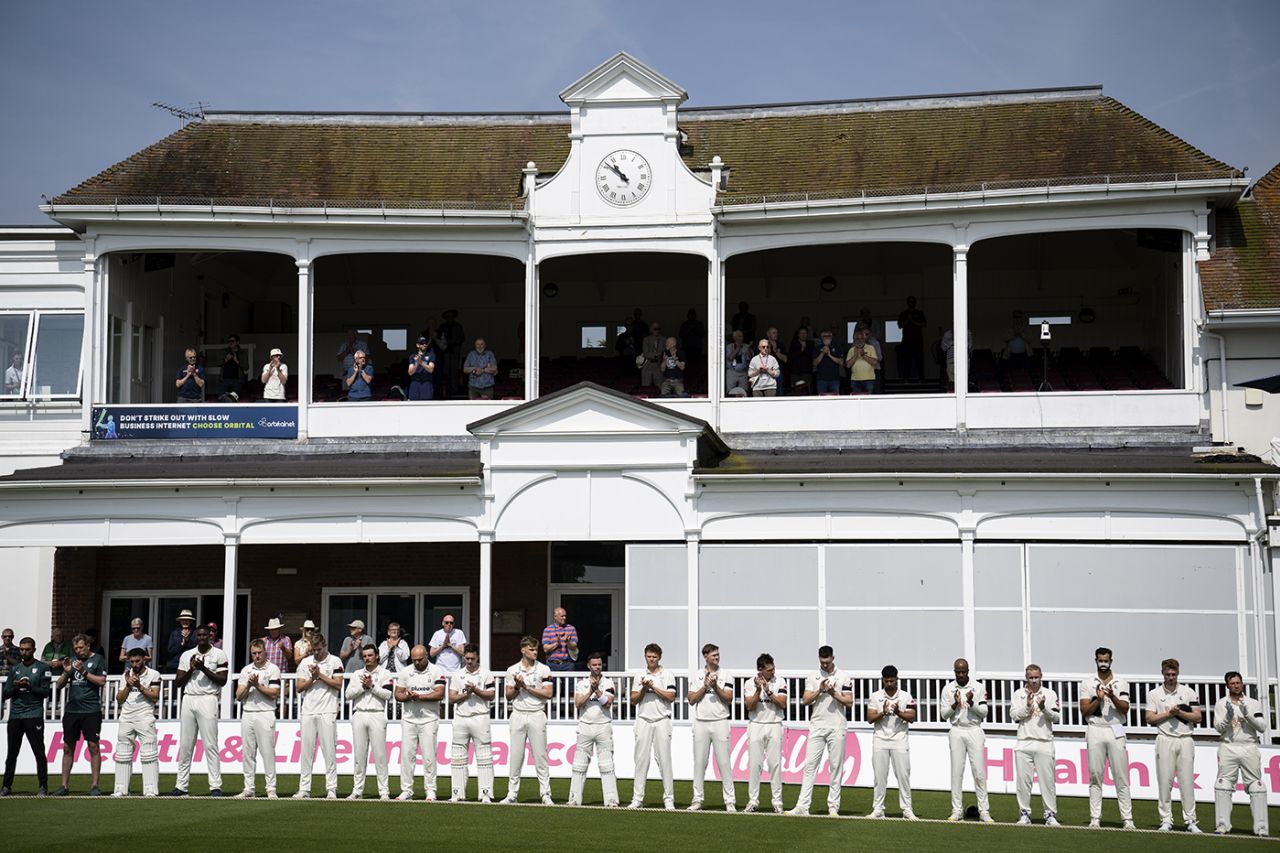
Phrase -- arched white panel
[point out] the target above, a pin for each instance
(595, 505)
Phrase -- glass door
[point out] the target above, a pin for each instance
(120, 615)
(595, 614)
(167, 610)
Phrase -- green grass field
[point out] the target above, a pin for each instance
(199, 823)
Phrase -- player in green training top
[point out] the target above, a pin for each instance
(86, 672)
(29, 685)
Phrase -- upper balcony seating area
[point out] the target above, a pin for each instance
(1128, 368)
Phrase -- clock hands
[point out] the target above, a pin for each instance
(618, 172)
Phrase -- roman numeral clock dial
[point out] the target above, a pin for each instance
(623, 178)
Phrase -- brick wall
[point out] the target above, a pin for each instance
(83, 575)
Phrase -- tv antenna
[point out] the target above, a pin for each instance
(185, 115)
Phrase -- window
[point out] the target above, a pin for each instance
(396, 339)
(159, 611)
(595, 336)
(418, 612)
(41, 351)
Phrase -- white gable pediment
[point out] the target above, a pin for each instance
(622, 79)
(588, 409)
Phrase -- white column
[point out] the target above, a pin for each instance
(93, 358)
(715, 332)
(486, 597)
(967, 597)
(231, 543)
(306, 340)
(532, 336)
(691, 553)
(960, 327)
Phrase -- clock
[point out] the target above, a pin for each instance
(623, 178)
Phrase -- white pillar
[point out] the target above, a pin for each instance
(960, 327)
(93, 359)
(231, 543)
(715, 332)
(532, 313)
(486, 597)
(967, 597)
(306, 340)
(691, 553)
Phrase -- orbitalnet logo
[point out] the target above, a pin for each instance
(794, 744)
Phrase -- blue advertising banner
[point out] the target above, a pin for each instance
(195, 422)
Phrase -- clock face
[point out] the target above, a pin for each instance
(623, 178)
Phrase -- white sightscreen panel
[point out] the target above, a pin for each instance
(1140, 577)
(758, 576)
(997, 575)
(921, 640)
(893, 575)
(1206, 646)
(999, 642)
(667, 628)
(791, 636)
(657, 575)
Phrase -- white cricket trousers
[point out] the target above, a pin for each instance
(369, 733)
(468, 730)
(1240, 761)
(597, 738)
(199, 716)
(322, 728)
(529, 727)
(967, 744)
(258, 737)
(415, 735)
(1176, 756)
(823, 740)
(884, 753)
(712, 736)
(1104, 747)
(764, 744)
(139, 736)
(653, 738)
(1036, 756)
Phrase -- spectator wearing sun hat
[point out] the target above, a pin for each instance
(275, 375)
(351, 646)
(279, 646)
(181, 639)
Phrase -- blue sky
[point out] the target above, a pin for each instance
(77, 78)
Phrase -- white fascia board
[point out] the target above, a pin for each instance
(919, 476)
(1023, 197)
(1239, 318)
(175, 213)
(244, 482)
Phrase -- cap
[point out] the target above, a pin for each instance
(186, 614)
(276, 352)
(358, 623)
(212, 626)
(422, 339)
(274, 624)
(309, 624)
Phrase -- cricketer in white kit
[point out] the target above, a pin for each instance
(1174, 709)
(766, 703)
(829, 694)
(1240, 725)
(369, 689)
(1104, 703)
(652, 693)
(320, 677)
(528, 686)
(137, 698)
(471, 690)
(594, 695)
(1036, 709)
(257, 690)
(419, 689)
(891, 711)
(202, 672)
(963, 704)
(710, 695)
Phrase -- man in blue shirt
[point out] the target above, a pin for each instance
(827, 364)
(359, 378)
(422, 364)
(190, 380)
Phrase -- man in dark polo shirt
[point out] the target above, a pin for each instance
(86, 673)
(29, 685)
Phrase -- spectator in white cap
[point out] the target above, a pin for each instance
(279, 646)
(351, 646)
(275, 375)
(137, 639)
